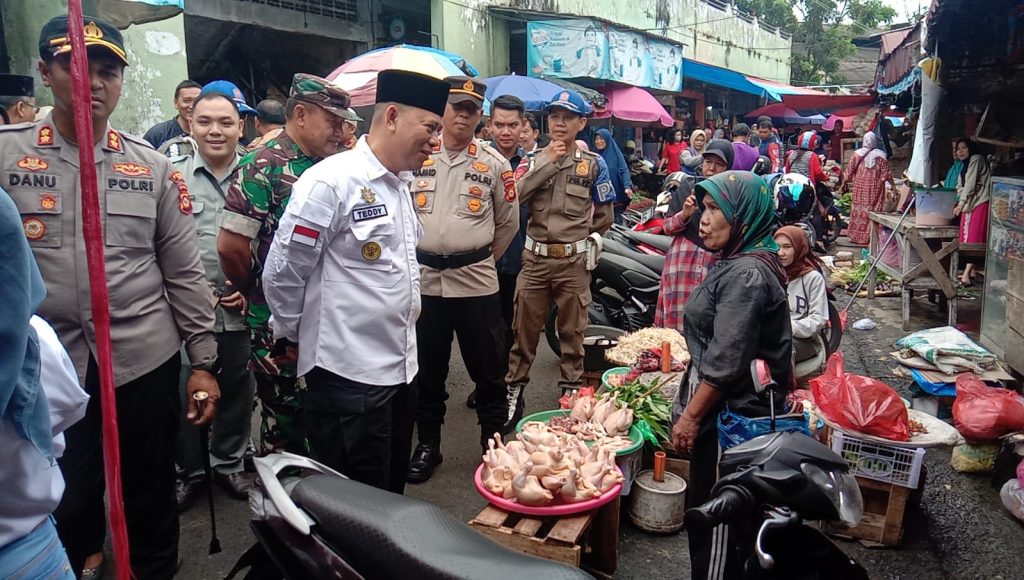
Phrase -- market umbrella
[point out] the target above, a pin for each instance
(534, 92)
(358, 76)
(782, 114)
(635, 105)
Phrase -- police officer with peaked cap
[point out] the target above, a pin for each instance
(343, 284)
(17, 99)
(158, 297)
(465, 198)
(567, 201)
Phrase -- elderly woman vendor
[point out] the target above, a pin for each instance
(739, 313)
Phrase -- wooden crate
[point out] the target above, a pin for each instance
(885, 507)
(592, 379)
(589, 540)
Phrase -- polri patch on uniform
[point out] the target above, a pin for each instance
(583, 167)
(481, 166)
(421, 200)
(367, 194)
(474, 205)
(47, 202)
(305, 235)
(35, 229)
(132, 169)
(371, 251)
(422, 184)
(522, 169)
(476, 191)
(32, 164)
(45, 135)
(184, 203)
(361, 214)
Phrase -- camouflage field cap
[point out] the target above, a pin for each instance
(319, 91)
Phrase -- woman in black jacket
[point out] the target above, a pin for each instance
(739, 313)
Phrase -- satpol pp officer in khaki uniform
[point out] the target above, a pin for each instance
(567, 203)
(465, 198)
(159, 297)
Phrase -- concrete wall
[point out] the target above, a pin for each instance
(711, 35)
(156, 52)
(282, 19)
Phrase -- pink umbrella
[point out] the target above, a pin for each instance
(634, 104)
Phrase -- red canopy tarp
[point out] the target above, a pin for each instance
(635, 105)
(842, 105)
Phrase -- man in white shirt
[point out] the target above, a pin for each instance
(343, 285)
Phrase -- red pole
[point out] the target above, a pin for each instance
(92, 231)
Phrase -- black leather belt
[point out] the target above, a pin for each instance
(449, 261)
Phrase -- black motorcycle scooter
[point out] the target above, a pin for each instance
(312, 522)
(769, 487)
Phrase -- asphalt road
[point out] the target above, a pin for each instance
(960, 530)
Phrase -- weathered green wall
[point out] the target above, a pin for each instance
(712, 36)
(156, 52)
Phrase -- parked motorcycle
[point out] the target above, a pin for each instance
(312, 522)
(769, 487)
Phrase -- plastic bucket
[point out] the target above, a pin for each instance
(596, 340)
(934, 206)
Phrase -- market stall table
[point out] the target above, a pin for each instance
(929, 273)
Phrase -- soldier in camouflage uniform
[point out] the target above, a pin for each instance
(315, 114)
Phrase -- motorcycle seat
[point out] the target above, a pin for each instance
(386, 535)
(654, 263)
(654, 240)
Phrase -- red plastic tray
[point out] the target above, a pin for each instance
(556, 509)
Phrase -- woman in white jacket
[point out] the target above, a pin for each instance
(808, 301)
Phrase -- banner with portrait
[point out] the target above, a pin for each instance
(567, 49)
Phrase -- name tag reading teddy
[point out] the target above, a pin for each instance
(369, 212)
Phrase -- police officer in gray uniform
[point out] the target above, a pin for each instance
(159, 297)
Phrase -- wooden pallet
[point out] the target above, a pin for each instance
(885, 507)
(589, 540)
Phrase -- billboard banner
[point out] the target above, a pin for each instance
(585, 48)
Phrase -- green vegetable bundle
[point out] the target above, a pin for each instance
(648, 407)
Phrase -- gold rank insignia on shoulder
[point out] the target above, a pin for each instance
(472, 149)
(113, 140)
(368, 195)
(583, 167)
(45, 135)
(371, 251)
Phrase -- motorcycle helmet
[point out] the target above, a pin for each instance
(794, 197)
(762, 166)
(808, 140)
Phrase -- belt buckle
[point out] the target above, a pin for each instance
(556, 250)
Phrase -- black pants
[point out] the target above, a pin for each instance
(711, 554)
(481, 331)
(363, 431)
(147, 420)
(507, 292)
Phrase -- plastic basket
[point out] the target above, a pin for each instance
(886, 463)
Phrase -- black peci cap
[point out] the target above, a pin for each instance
(54, 40)
(17, 86)
(412, 89)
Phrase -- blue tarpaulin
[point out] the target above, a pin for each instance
(721, 77)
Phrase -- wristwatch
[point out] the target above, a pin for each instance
(212, 367)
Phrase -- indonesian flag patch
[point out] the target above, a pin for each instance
(305, 236)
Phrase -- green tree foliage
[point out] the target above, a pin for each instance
(825, 27)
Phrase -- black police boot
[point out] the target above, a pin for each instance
(424, 460)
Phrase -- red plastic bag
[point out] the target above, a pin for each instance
(984, 413)
(860, 404)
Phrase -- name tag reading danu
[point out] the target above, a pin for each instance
(369, 212)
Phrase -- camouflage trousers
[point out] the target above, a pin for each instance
(281, 423)
(279, 391)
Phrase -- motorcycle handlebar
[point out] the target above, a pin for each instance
(721, 509)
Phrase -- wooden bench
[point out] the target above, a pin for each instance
(589, 540)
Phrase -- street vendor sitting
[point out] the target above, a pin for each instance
(808, 301)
